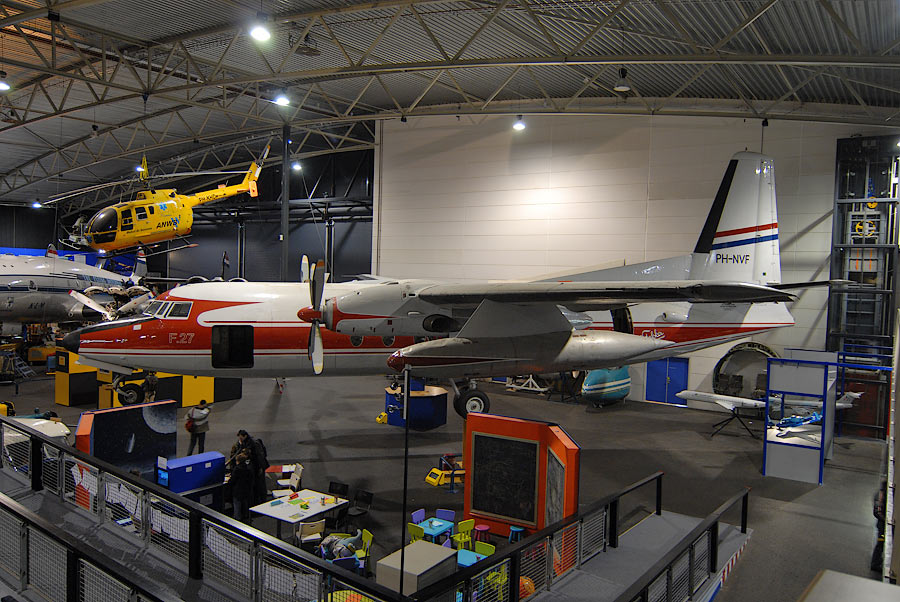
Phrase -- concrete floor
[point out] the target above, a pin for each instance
(328, 424)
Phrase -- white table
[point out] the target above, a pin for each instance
(291, 510)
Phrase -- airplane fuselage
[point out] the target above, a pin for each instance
(36, 289)
(213, 317)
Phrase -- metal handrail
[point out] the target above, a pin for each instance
(710, 523)
(197, 513)
(513, 552)
(75, 550)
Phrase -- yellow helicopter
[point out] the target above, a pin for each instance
(154, 215)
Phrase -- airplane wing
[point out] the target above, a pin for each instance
(726, 404)
(601, 295)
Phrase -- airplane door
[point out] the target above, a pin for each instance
(665, 378)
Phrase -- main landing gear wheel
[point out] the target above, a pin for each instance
(130, 394)
(472, 400)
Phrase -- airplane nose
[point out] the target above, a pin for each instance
(395, 362)
(71, 342)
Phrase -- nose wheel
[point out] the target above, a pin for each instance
(470, 400)
(129, 394)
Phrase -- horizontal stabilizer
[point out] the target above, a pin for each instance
(786, 286)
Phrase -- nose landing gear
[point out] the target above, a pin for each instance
(470, 399)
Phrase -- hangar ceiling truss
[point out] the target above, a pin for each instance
(97, 84)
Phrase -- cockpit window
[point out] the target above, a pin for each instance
(163, 310)
(152, 308)
(104, 221)
(180, 310)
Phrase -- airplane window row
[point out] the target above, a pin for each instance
(169, 309)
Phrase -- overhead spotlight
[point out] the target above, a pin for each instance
(4, 86)
(36, 205)
(282, 100)
(519, 124)
(403, 119)
(622, 85)
(296, 166)
(259, 31)
(138, 168)
(94, 129)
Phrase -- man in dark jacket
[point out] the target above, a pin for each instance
(243, 482)
(258, 461)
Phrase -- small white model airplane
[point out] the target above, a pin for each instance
(729, 402)
(726, 289)
(36, 289)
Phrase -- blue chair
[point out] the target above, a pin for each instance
(443, 514)
(418, 516)
(349, 562)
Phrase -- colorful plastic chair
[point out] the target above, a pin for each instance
(484, 548)
(463, 536)
(362, 554)
(444, 514)
(448, 543)
(348, 562)
(415, 532)
(418, 516)
(515, 533)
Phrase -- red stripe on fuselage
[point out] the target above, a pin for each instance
(683, 333)
(745, 230)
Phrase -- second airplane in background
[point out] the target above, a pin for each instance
(726, 289)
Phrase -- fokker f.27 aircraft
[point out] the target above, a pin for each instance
(726, 289)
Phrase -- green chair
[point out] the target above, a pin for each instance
(463, 536)
(415, 532)
(485, 548)
(362, 554)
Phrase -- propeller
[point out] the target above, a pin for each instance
(88, 302)
(304, 269)
(313, 315)
(134, 304)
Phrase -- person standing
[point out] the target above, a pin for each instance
(151, 381)
(243, 484)
(199, 414)
(258, 460)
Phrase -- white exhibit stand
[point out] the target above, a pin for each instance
(799, 452)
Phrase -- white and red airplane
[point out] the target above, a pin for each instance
(726, 289)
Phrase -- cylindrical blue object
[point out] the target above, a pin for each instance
(51, 363)
(611, 384)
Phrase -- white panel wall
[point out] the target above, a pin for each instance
(470, 198)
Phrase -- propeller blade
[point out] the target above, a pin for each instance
(304, 269)
(88, 302)
(315, 349)
(134, 304)
(317, 285)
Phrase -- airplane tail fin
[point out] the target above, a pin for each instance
(739, 240)
(140, 266)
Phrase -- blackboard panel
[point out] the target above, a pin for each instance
(504, 477)
(556, 486)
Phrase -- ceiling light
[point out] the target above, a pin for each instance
(519, 124)
(138, 168)
(36, 205)
(296, 166)
(4, 86)
(622, 85)
(282, 100)
(259, 31)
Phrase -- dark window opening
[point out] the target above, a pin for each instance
(621, 318)
(140, 213)
(232, 346)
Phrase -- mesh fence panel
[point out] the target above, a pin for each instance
(16, 448)
(95, 584)
(228, 558)
(680, 578)
(454, 595)
(340, 591)
(46, 566)
(564, 547)
(657, 590)
(169, 528)
(286, 580)
(124, 504)
(80, 483)
(701, 560)
(10, 551)
(593, 534)
(50, 470)
(533, 568)
(492, 585)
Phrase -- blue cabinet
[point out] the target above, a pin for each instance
(665, 378)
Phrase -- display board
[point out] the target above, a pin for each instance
(504, 477)
(556, 488)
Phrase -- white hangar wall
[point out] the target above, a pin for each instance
(469, 198)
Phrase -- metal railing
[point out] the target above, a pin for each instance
(235, 558)
(678, 575)
(534, 564)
